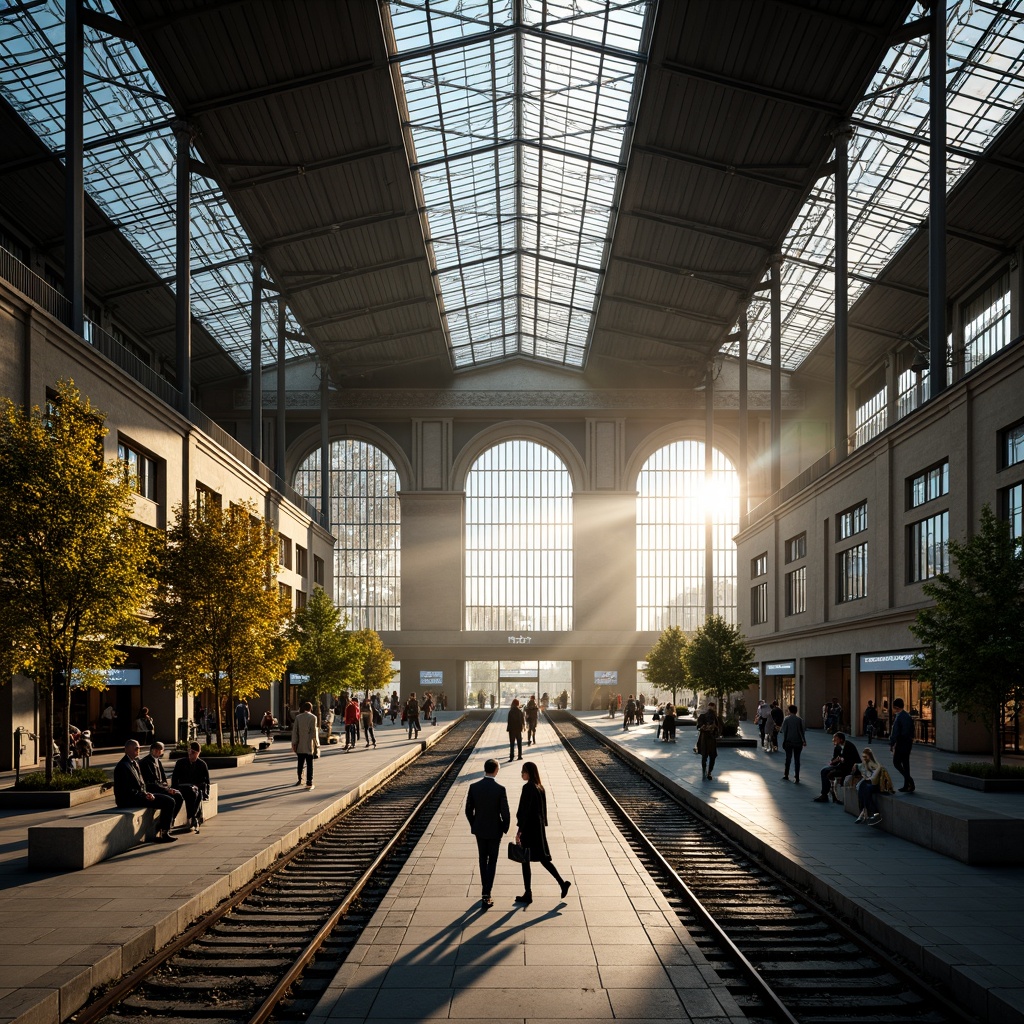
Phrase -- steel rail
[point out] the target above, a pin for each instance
(95, 1011)
(762, 987)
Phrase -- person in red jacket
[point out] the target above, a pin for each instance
(351, 723)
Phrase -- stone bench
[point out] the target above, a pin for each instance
(968, 834)
(73, 843)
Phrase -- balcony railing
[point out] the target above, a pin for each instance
(49, 298)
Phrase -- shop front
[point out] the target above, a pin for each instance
(780, 682)
(886, 675)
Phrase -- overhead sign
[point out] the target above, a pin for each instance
(780, 668)
(116, 677)
(606, 678)
(431, 678)
(888, 661)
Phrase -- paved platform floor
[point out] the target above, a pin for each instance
(64, 933)
(961, 922)
(612, 949)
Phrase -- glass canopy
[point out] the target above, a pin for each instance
(888, 160)
(520, 130)
(129, 164)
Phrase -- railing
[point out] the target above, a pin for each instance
(813, 472)
(49, 298)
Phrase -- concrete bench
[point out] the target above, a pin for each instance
(73, 843)
(968, 834)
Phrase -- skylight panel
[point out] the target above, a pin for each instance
(888, 178)
(129, 166)
(519, 136)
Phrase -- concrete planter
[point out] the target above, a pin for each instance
(981, 785)
(51, 799)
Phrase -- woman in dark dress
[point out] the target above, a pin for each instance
(532, 819)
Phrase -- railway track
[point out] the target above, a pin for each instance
(270, 951)
(783, 956)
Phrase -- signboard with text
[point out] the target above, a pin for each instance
(606, 678)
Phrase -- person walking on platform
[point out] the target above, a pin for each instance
(628, 712)
(668, 723)
(412, 715)
(514, 728)
(774, 725)
(305, 742)
(130, 791)
(366, 713)
(532, 819)
(794, 739)
(870, 721)
(155, 776)
(393, 708)
(489, 819)
(901, 741)
(709, 728)
(532, 713)
(351, 724)
(242, 721)
(191, 776)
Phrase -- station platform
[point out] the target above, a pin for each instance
(961, 922)
(610, 949)
(65, 933)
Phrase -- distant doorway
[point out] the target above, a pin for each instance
(497, 683)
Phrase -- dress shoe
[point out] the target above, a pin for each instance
(526, 899)
(875, 819)
(785, 778)
(904, 789)
(298, 782)
(565, 888)
(823, 799)
(165, 837)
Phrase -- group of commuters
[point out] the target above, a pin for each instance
(520, 718)
(489, 817)
(143, 782)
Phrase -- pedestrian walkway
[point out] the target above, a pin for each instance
(960, 922)
(611, 949)
(66, 933)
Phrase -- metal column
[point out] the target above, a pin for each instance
(709, 477)
(74, 182)
(325, 452)
(744, 466)
(256, 358)
(281, 392)
(775, 263)
(183, 264)
(937, 201)
(842, 137)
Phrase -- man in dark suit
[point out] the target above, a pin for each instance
(130, 791)
(489, 818)
(155, 776)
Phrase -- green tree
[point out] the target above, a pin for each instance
(666, 663)
(326, 651)
(972, 637)
(220, 613)
(75, 569)
(375, 671)
(719, 660)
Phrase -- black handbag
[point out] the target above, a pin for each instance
(520, 854)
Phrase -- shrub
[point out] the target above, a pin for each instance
(215, 750)
(63, 781)
(730, 727)
(985, 770)
(683, 711)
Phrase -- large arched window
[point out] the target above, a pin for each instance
(673, 500)
(519, 539)
(366, 523)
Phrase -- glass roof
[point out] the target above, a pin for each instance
(520, 130)
(888, 154)
(129, 164)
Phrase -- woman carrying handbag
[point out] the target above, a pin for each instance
(532, 819)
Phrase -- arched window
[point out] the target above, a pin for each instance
(366, 523)
(672, 503)
(519, 539)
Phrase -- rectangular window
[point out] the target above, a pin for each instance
(206, 499)
(759, 604)
(871, 417)
(140, 469)
(928, 548)
(796, 548)
(1013, 513)
(986, 321)
(286, 593)
(1011, 446)
(300, 599)
(796, 591)
(928, 485)
(852, 575)
(318, 571)
(759, 566)
(284, 552)
(852, 521)
(301, 561)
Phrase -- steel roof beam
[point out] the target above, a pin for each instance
(707, 277)
(737, 171)
(347, 275)
(686, 314)
(322, 231)
(355, 314)
(754, 241)
(288, 171)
